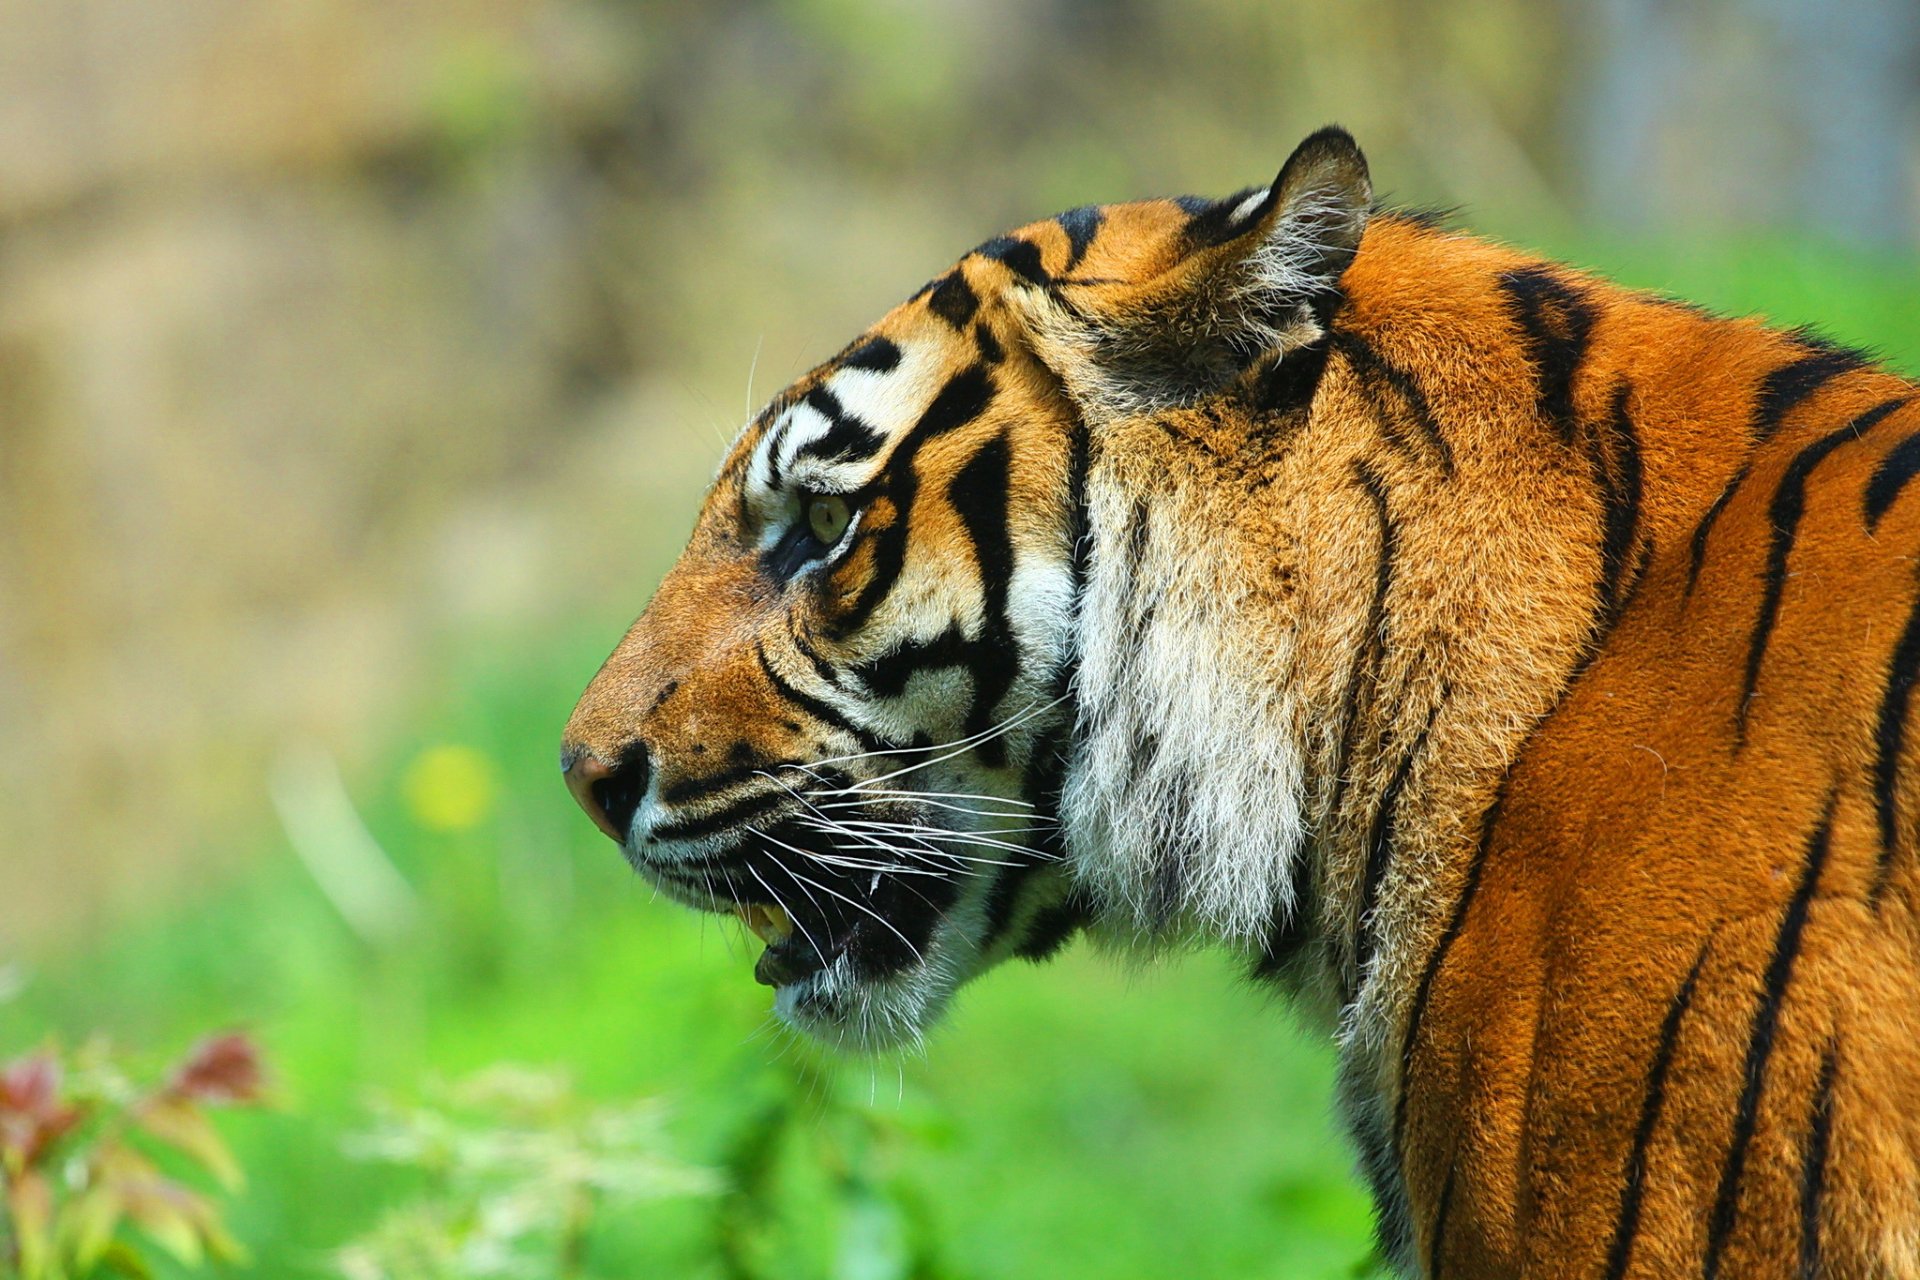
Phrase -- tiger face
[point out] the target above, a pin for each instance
(848, 713)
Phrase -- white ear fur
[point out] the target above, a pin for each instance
(1255, 272)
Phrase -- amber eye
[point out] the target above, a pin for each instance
(827, 518)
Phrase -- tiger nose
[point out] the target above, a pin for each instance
(610, 793)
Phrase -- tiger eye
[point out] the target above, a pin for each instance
(828, 517)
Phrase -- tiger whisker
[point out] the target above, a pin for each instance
(928, 835)
(861, 906)
(922, 797)
(946, 836)
(833, 827)
(948, 750)
(943, 863)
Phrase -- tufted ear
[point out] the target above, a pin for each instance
(1231, 287)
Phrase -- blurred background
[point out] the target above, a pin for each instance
(361, 365)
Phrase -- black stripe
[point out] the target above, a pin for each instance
(1811, 338)
(965, 397)
(990, 349)
(1617, 472)
(1040, 786)
(1889, 740)
(1556, 324)
(1213, 222)
(1417, 1013)
(1900, 465)
(1786, 949)
(775, 438)
(1003, 896)
(713, 783)
(1390, 1224)
(1374, 370)
(1386, 830)
(1052, 928)
(1705, 527)
(1627, 1226)
(1366, 660)
(992, 660)
(1437, 1245)
(979, 495)
(1287, 383)
(815, 659)
(1813, 1170)
(744, 810)
(1079, 539)
(953, 299)
(1022, 256)
(878, 354)
(821, 711)
(886, 676)
(1785, 387)
(1081, 226)
(1783, 514)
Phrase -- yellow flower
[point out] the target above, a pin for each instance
(450, 788)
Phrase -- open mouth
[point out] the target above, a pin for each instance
(789, 957)
(817, 906)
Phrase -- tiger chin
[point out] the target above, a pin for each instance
(1515, 668)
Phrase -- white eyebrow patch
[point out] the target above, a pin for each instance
(803, 424)
(891, 401)
(838, 435)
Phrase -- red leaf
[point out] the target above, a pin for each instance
(32, 1117)
(221, 1069)
(30, 1085)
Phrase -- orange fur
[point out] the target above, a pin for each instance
(1556, 619)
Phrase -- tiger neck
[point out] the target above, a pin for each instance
(1315, 637)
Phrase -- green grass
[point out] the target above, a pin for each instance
(1070, 1120)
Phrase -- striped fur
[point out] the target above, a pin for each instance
(1516, 668)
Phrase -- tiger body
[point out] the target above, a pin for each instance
(1513, 666)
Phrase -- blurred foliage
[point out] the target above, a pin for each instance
(520, 1169)
(84, 1156)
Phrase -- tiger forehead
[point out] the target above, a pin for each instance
(830, 430)
(835, 424)
(1111, 243)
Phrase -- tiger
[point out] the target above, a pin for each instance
(1514, 668)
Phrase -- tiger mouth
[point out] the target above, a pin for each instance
(787, 957)
(795, 949)
(815, 907)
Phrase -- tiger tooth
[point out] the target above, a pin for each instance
(770, 924)
(779, 924)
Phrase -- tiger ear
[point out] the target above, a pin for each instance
(1246, 280)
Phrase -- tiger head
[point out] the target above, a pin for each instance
(848, 712)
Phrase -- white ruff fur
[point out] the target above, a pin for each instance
(1185, 806)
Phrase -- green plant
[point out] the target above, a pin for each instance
(881, 1228)
(520, 1167)
(84, 1155)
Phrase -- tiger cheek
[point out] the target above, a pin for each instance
(849, 577)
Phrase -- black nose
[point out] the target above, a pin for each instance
(618, 794)
(609, 794)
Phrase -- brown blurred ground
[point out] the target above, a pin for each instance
(336, 333)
